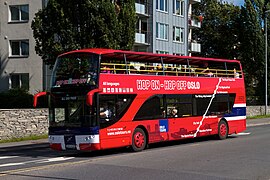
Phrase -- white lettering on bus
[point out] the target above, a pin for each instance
(193, 85)
(168, 85)
(181, 85)
(147, 84)
(143, 84)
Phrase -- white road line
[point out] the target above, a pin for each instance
(37, 161)
(243, 134)
(56, 159)
(240, 134)
(11, 164)
(8, 157)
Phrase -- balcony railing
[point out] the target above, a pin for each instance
(141, 38)
(194, 1)
(194, 23)
(194, 47)
(141, 9)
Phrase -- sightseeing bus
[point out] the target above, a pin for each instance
(104, 98)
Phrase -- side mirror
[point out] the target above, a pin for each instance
(90, 96)
(38, 95)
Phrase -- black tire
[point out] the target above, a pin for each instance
(139, 140)
(223, 130)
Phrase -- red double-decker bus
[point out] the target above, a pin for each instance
(104, 98)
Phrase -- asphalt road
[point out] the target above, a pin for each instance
(243, 156)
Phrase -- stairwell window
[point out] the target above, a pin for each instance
(19, 13)
(162, 31)
(178, 7)
(19, 48)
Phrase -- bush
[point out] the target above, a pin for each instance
(16, 98)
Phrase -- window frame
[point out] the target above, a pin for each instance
(164, 3)
(20, 48)
(20, 79)
(181, 7)
(180, 36)
(162, 52)
(165, 31)
(20, 13)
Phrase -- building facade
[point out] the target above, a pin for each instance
(165, 26)
(20, 66)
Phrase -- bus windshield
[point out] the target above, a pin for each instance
(71, 111)
(75, 70)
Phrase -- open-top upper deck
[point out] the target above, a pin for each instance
(130, 62)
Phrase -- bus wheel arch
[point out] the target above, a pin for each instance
(223, 129)
(139, 139)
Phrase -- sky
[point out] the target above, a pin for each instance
(236, 2)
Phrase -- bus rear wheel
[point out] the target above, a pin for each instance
(222, 130)
(139, 140)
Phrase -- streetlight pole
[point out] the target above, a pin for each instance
(266, 44)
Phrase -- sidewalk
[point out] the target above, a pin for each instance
(250, 123)
(258, 122)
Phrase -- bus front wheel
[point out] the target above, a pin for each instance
(139, 140)
(222, 130)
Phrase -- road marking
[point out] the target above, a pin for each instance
(243, 134)
(240, 134)
(22, 170)
(56, 159)
(11, 164)
(8, 157)
(37, 161)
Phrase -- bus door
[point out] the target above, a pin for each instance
(179, 113)
(110, 110)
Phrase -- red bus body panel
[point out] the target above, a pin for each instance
(145, 86)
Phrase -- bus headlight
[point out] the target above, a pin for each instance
(88, 138)
(51, 138)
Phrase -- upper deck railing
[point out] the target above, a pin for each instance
(181, 70)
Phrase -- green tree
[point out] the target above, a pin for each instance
(231, 32)
(67, 25)
(219, 32)
(252, 47)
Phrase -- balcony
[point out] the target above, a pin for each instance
(194, 23)
(194, 47)
(194, 1)
(141, 39)
(141, 9)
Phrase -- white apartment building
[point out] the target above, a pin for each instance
(164, 26)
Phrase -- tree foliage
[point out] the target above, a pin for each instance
(67, 25)
(235, 32)
(252, 47)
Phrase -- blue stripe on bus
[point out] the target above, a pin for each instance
(237, 111)
(74, 130)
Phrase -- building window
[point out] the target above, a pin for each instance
(162, 52)
(162, 5)
(178, 54)
(19, 13)
(162, 31)
(19, 81)
(178, 7)
(178, 34)
(19, 48)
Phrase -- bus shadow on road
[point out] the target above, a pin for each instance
(126, 150)
(43, 150)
